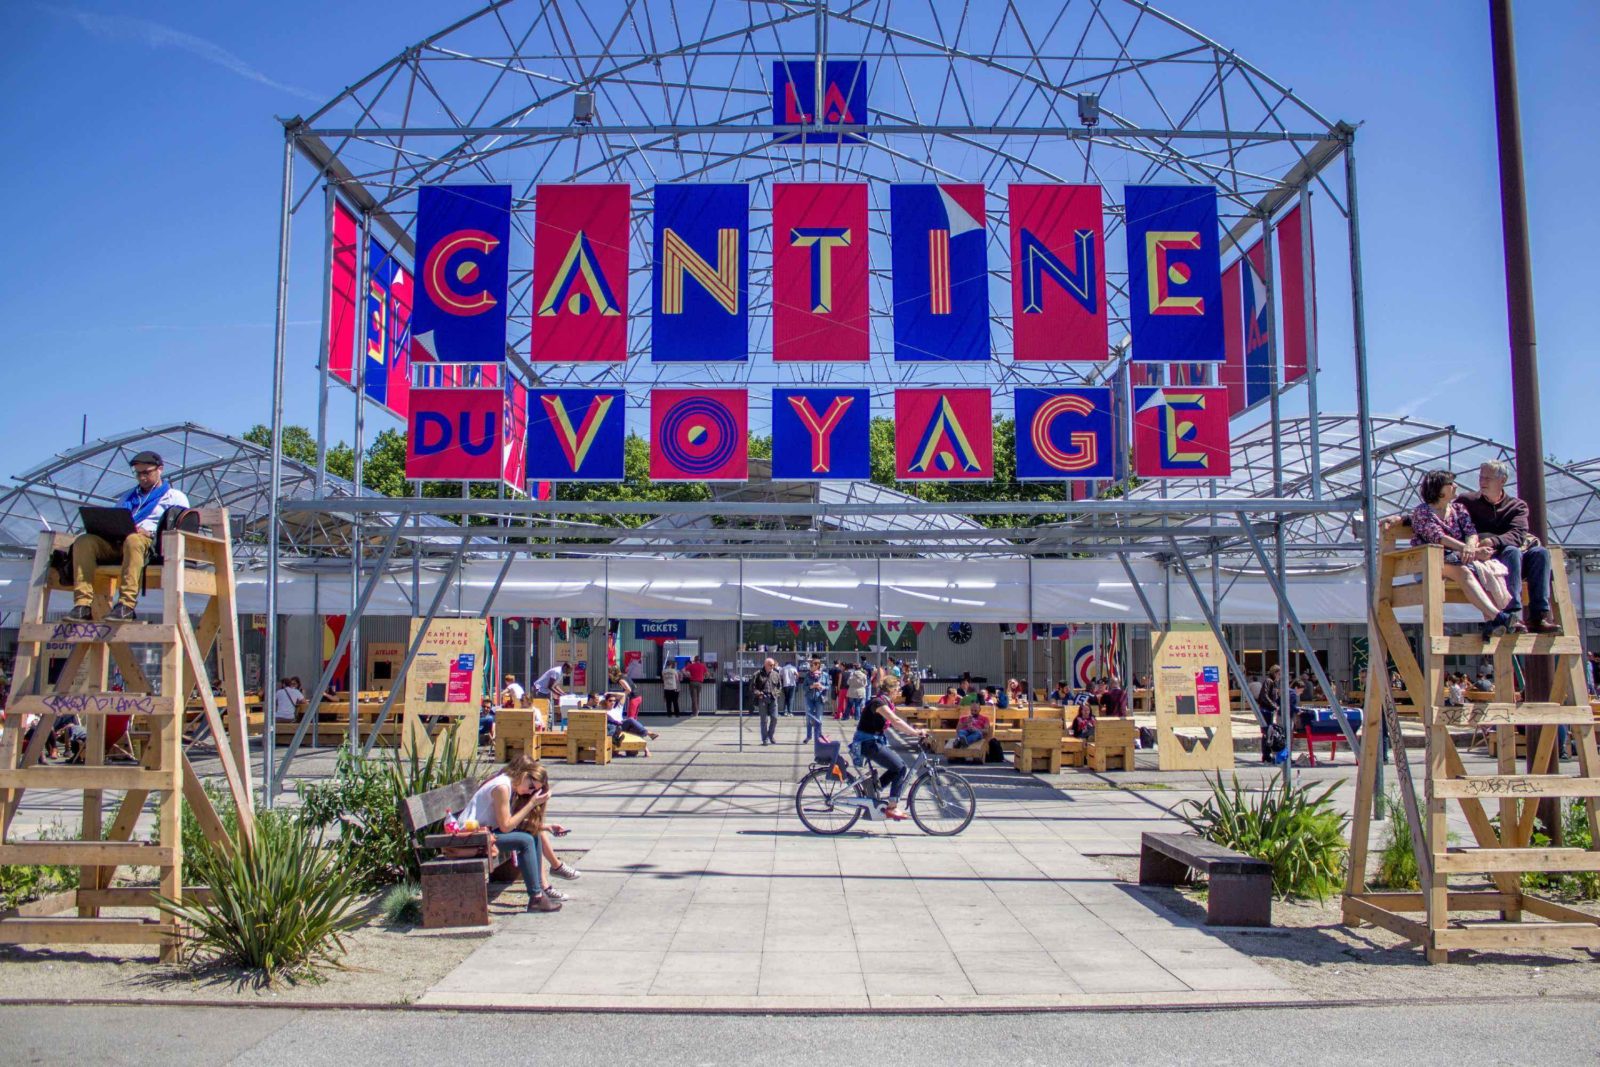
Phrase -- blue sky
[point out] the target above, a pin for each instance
(142, 197)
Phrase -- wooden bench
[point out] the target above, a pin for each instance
(970, 754)
(588, 737)
(515, 733)
(455, 890)
(1041, 743)
(1113, 743)
(1240, 886)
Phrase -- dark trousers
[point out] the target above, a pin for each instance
(788, 699)
(894, 768)
(671, 697)
(629, 726)
(694, 698)
(1534, 565)
(767, 708)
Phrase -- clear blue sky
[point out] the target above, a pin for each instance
(142, 183)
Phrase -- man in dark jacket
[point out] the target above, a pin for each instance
(766, 687)
(1502, 523)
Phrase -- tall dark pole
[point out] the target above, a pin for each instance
(1524, 348)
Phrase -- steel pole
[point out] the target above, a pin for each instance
(269, 678)
(358, 365)
(1369, 490)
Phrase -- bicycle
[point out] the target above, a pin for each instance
(831, 798)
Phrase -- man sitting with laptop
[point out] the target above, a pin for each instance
(146, 502)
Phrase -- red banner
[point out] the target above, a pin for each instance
(943, 435)
(1292, 253)
(580, 273)
(699, 435)
(819, 272)
(456, 434)
(1231, 373)
(1181, 433)
(344, 242)
(1058, 281)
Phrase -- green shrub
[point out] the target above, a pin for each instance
(362, 803)
(1575, 885)
(20, 884)
(1300, 833)
(275, 908)
(402, 904)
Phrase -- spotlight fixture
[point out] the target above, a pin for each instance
(583, 108)
(1089, 109)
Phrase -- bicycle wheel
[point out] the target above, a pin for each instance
(815, 801)
(942, 803)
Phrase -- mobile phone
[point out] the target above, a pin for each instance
(563, 832)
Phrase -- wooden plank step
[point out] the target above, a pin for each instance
(1515, 786)
(1517, 860)
(93, 704)
(1522, 645)
(35, 931)
(87, 853)
(49, 776)
(80, 633)
(132, 896)
(1526, 714)
(1499, 935)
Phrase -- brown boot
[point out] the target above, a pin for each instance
(543, 902)
(1546, 624)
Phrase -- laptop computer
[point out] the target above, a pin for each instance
(113, 524)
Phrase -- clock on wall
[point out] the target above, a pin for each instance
(960, 633)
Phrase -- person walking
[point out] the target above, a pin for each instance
(765, 687)
(855, 692)
(669, 687)
(816, 693)
(791, 678)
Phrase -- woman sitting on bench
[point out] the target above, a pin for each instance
(516, 831)
(621, 723)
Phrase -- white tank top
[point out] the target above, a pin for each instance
(482, 806)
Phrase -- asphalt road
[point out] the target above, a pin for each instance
(1476, 1034)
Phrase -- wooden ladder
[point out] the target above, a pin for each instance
(194, 564)
(1503, 854)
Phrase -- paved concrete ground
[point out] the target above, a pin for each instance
(1480, 1034)
(701, 889)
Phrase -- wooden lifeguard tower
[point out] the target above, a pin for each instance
(192, 565)
(1505, 916)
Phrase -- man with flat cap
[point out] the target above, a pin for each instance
(148, 500)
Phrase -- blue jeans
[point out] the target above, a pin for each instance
(894, 768)
(1534, 565)
(968, 738)
(526, 848)
(813, 718)
(853, 707)
(788, 699)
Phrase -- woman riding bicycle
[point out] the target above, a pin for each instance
(872, 742)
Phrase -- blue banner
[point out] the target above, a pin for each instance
(794, 98)
(940, 260)
(1174, 274)
(821, 434)
(463, 258)
(1257, 352)
(576, 435)
(660, 629)
(386, 375)
(701, 307)
(1065, 433)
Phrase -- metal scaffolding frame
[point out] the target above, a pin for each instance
(681, 93)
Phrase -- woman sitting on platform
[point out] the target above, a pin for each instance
(951, 697)
(516, 830)
(1442, 520)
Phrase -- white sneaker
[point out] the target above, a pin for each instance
(555, 894)
(567, 871)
